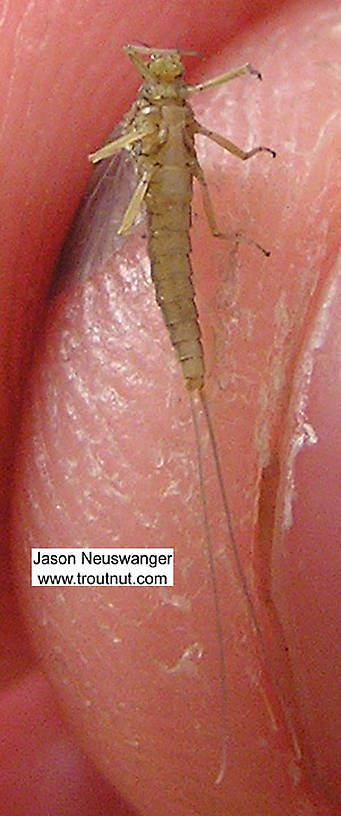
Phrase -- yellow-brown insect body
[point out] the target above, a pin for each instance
(168, 203)
(170, 161)
(159, 132)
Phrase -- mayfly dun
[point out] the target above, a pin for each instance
(158, 136)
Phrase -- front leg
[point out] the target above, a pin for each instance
(220, 80)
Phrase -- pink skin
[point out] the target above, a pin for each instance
(160, 746)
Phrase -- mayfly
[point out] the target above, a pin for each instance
(158, 133)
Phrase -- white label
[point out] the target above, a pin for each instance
(111, 567)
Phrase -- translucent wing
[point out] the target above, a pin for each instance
(93, 238)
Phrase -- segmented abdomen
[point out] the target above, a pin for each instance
(168, 203)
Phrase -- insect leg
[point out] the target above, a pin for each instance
(140, 66)
(220, 80)
(134, 205)
(230, 146)
(158, 52)
(119, 144)
(211, 219)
